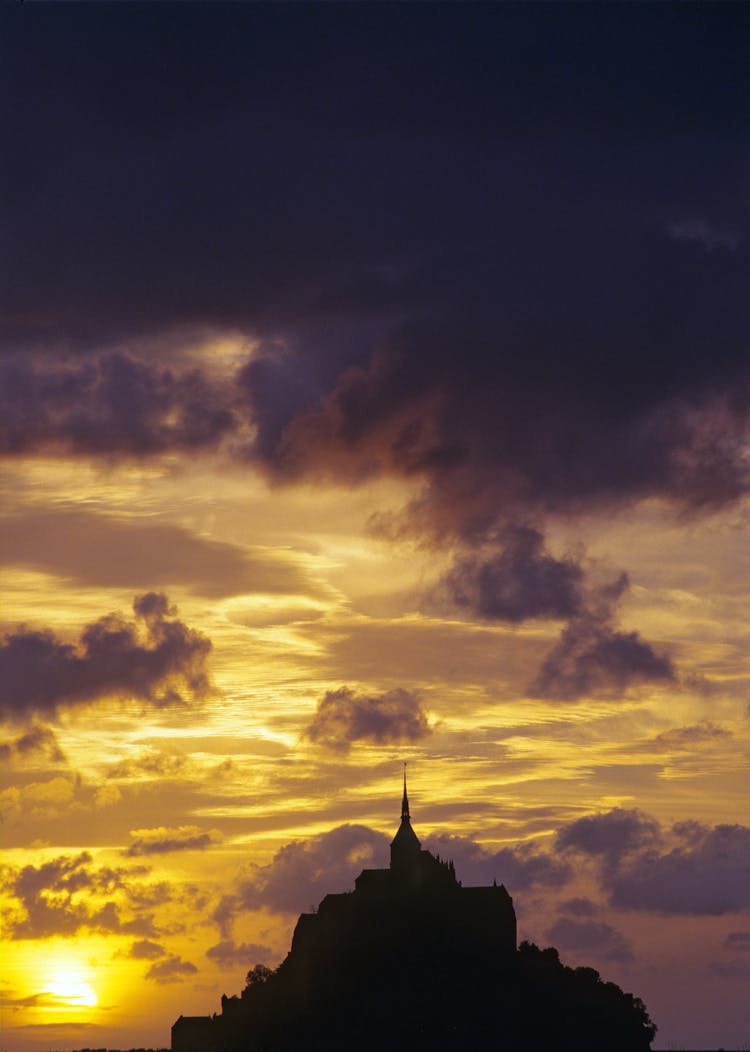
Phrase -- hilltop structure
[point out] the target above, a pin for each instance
(412, 960)
(415, 907)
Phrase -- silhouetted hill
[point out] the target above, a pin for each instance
(407, 1001)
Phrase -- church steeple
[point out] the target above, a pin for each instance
(405, 801)
(405, 847)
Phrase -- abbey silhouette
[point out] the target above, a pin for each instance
(411, 960)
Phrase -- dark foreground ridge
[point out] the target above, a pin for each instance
(411, 960)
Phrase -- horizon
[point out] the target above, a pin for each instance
(374, 388)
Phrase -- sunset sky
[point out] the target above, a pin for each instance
(375, 388)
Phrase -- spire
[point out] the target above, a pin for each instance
(405, 801)
(405, 846)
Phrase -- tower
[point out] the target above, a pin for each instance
(405, 846)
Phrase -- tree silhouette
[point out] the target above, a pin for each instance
(258, 974)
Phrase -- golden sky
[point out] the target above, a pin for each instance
(374, 390)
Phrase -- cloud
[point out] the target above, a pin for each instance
(224, 915)
(688, 737)
(303, 871)
(706, 873)
(690, 869)
(52, 798)
(518, 582)
(609, 835)
(228, 954)
(151, 763)
(590, 937)
(161, 841)
(171, 970)
(108, 405)
(146, 950)
(69, 893)
(518, 868)
(37, 740)
(592, 656)
(344, 717)
(511, 361)
(110, 552)
(155, 658)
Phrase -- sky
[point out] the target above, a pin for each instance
(375, 389)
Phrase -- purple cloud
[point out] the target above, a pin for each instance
(344, 717)
(154, 658)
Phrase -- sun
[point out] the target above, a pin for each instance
(69, 989)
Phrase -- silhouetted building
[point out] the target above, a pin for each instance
(416, 910)
(411, 960)
(416, 907)
(194, 1033)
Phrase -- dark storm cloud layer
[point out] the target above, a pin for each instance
(533, 216)
(246, 175)
(343, 717)
(155, 658)
(689, 869)
(109, 405)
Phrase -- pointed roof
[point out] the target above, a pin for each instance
(405, 838)
(405, 801)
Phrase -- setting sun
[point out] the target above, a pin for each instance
(69, 989)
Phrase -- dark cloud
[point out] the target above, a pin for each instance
(108, 405)
(104, 551)
(171, 970)
(155, 658)
(688, 869)
(303, 871)
(518, 868)
(570, 331)
(518, 582)
(37, 740)
(590, 936)
(344, 717)
(146, 950)
(161, 841)
(228, 954)
(704, 874)
(611, 834)
(593, 656)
